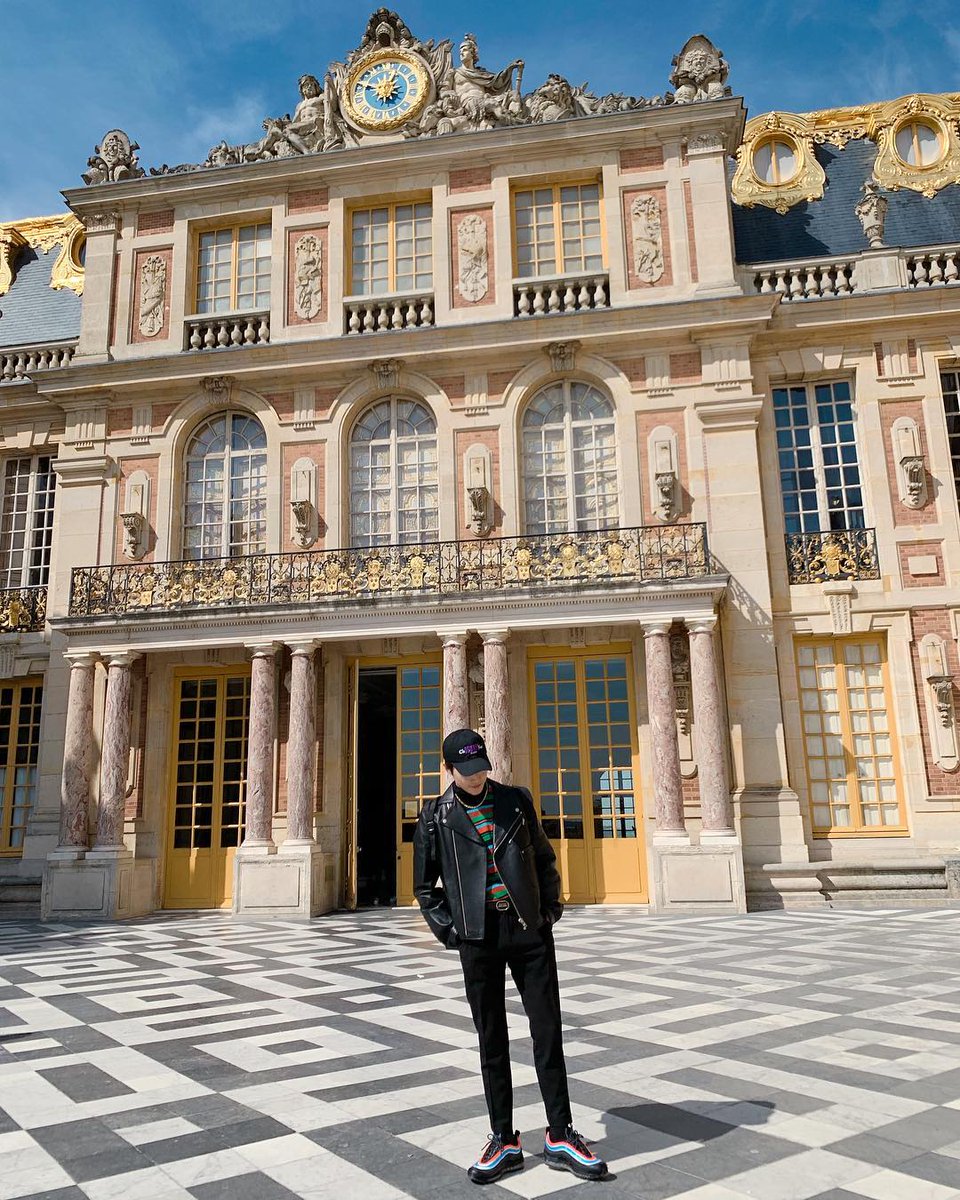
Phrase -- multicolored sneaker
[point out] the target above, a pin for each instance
(571, 1153)
(500, 1156)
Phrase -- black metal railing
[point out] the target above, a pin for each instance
(644, 554)
(22, 610)
(832, 554)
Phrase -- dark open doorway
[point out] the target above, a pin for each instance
(377, 786)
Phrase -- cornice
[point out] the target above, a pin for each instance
(406, 156)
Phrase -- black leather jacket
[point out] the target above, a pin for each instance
(447, 847)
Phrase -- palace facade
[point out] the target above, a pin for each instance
(624, 429)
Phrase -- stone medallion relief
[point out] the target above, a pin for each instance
(473, 277)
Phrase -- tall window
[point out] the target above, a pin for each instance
(225, 503)
(848, 736)
(558, 230)
(233, 269)
(392, 249)
(26, 521)
(569, 460)
(393, 475)
(950, 386)
(19, 747)
(817, 451)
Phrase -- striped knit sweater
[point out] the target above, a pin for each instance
(482, 817)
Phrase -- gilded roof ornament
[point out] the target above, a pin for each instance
(63, 230)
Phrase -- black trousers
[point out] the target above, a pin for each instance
(532, 960)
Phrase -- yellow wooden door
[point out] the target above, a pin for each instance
(585, 755)
(208, 786)
(419, 737)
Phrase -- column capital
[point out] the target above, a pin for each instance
(494, 635)
(121, 658)
(263, 649)
(457, 637)
(88, 658)
(301, 648)
(655, 628)
(702, 624)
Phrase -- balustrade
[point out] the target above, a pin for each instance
(813, 281)
(937, 268)
(645, 554)
(226, 333)
(544, 297)
(380, 314)
(25, 361)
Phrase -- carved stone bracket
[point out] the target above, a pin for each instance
(102, 222)
(562, 355)
(940, 702)
(386, 371)
(911, 465)
(218, 386)
(134, 528)
(304, 523)
(480, 510)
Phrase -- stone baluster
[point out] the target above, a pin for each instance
(302, 745)
(77, 755)
(496, 704)
(664, 743)
(715, 807)
(456, 695)
(116, 752)
(260, 744)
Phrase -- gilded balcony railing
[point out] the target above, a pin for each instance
(645, 554)
(22, 610)
(833, 554)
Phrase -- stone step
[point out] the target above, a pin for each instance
(19, 896)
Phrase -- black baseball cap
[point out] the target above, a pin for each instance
(466, 750)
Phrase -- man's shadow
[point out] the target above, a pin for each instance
(704, 1121)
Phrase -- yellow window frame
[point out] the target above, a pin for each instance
(857, 828)
(234, 262)
(391, 206)
(556, 186)
(7, 796)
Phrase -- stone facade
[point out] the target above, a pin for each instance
(301, 657)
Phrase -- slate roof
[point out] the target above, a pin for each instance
(828, 227)
(32, 313)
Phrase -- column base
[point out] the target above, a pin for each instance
(107, 884)
(698, 878)
(298, 880)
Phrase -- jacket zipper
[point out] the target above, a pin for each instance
(456, 857)
(523, 924)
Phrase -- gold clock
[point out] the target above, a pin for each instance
(385, 90)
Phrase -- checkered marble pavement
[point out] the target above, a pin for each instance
(782, 1056)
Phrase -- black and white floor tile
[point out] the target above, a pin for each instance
(780, 1056)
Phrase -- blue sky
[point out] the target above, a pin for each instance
(178, 76)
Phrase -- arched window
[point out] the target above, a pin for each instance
(569, 467)
(225, 499)
(393, 475)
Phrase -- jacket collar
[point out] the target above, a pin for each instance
(505, 813)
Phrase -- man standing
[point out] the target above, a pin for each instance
(499, 899)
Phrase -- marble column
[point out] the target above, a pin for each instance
(496, 704)
(260, 745)
(116, 752)
(664, 745)
(77, 755)
(302, 745)
(456, 692)
(715, 807)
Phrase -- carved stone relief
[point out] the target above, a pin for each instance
(473, 277)
(113, 160)
(308, 277)
(699, 72)
(153, 293)
(647, 238)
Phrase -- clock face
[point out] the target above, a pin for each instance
(386, 90)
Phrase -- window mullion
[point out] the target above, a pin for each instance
(28, 531)
(558, 230)
(234, 268)
(816, 449)
(569, 452)
(846, 735)
(392, 250)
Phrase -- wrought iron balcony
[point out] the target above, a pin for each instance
(833, 554)
(645, 554)
(22, 610)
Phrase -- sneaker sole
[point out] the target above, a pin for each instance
(495, 1175)
(564, 1164)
